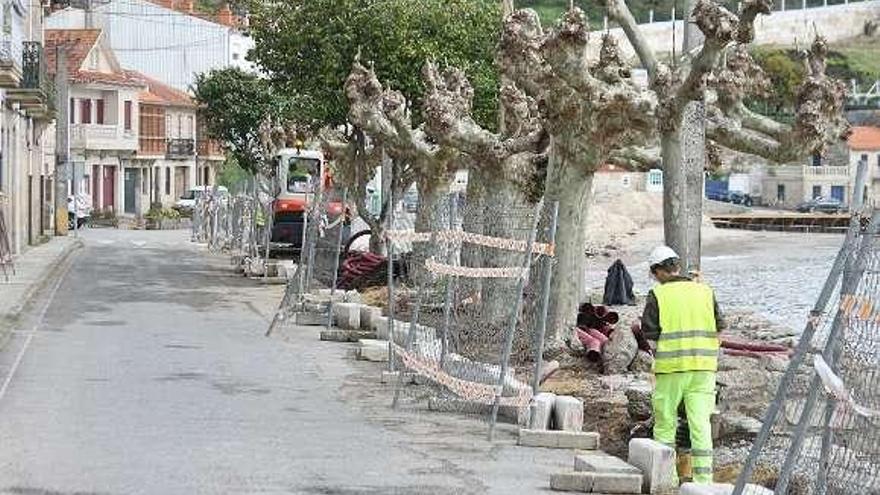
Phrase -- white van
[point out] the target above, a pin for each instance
(188, 201)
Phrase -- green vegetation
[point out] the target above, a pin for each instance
(308, 50)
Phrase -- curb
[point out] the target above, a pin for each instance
(42, 279)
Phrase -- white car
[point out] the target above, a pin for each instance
(188, 201)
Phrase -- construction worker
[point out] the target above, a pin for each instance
(682, 317)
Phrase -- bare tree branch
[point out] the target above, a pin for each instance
(619, 11)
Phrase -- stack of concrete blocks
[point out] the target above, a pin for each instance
(347, 316)
(598, 472)
(548, 411)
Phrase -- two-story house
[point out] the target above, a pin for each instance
(103, 113)
(134, 137)
(26, 108)
(172, 144)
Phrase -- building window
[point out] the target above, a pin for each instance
(167, 181)
(864, 158)
(817, 192)
(72, 111)
(817, 160)
(837, 192)
(85, 111)
(878, 160)
(99, 117)
(235, 56)
(145, 180)
(127, 115)
(780, 193)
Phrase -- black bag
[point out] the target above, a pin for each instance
(618, 286)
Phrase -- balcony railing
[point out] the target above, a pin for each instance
(180, 148)
(10, 63)
(210, 148)
(36, 91)
(101, 137)
(826, 171)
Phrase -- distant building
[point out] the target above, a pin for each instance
(134, 138)
(832, 176)
(166, 40)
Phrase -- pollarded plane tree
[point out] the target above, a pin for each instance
(590, 111)
(701, 104)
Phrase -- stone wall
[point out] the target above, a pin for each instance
(834, 22)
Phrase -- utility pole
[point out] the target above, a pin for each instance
(62, 135)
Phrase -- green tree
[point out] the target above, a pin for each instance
(307, 47)
(235, 104)
(785, 73)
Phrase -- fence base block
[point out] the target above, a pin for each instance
(552, 439)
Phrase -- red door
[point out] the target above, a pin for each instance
(109, 187)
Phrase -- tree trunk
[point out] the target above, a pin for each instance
(570, 183)
(683, 151)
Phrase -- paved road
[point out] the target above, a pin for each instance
(147, 373)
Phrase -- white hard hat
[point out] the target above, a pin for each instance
(661, 254)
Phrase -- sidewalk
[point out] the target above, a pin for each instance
(32, 270)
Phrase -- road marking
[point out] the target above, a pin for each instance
(33, 330)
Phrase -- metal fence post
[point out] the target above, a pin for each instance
(545, 302)
(450, 286)
(514, 314)
(336, 258)
(389, 251)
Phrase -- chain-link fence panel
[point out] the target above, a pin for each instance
(822, 433)
(466, 304)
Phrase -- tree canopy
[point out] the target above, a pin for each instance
(308, 47)
(235, 104)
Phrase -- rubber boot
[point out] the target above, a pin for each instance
(684, 466)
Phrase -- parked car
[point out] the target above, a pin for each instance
(739, 198)
(822, 205)
(187, 201)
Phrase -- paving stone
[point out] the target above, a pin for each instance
(347, 315)
(600, 462)
(541, 411)
(568, 413)
(657, 463)
(616, 483)
(572, 482)
(373, 350)
(721, 489)
(368, 316)
(559, 439)
(336, 335)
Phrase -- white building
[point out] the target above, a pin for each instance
(134, 137)
(164, 39)
(26, 97)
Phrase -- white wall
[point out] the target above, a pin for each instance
(164, 44)
(835, 22)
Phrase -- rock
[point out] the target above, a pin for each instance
(619, 352)
(735, 426)
(643, 363)
(639, 405)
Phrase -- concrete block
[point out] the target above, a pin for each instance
(336, 335)
(380, 326)
(559, 439)
(572, 482)
(373, 350)
(347, 315)
(568, 413)
(721, 489)
(617, 483)
(657, 463)
(600, 462)
(368, 315)
(311, 319)
(391, 377)
(541, 411)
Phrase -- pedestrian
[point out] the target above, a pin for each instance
(682, 316)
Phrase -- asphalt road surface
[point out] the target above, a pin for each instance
(144, 370)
